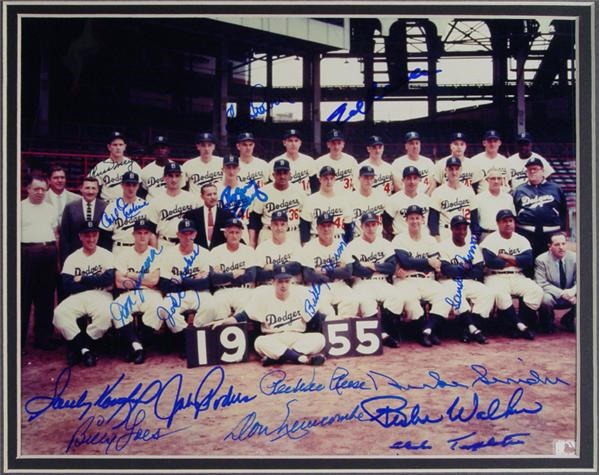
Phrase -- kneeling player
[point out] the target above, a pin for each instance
(87, 277)
(280, 309)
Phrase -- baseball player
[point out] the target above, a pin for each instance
(280, 309)
(367, 199)
(87, 277)
(137, 275)
(185, 280)
(234, 271)
(394, 215)
(325, 270)
(110, 171)
(120, 214)
(278, 250)
(418, 260)
(327, 200)
(506, 256)
(541, 207)
(413, 157)
(344, 165)
(448, 200)
(491, 158)
(303, 168)
(281, 196)
(251, 167)
(518, 160)
(487, 204)
(462, 268)
(458, 147)
(374, 261)
(152, 175)
(167, 208)
(384, 177)
(205, 168)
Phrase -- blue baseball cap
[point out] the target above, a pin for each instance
(410, 170)
(369, 218)
(534, 161)
(281, 164)
(143, 224)
(374, 140)
(231, 160)
(457, 220)
(524, 137)
(453, 162)
(458, 136)
(88, 227)
(171, 167)
(292, 133)
(281, 272)
(491, 134)
(412, 136)
(160, 140)
(114, 135)
(327, 170)
(325, 218)
(205, 137)
(279, 216)
(234, 222)
(414, 209)
(244, 136)
(504, 213)
(335, 135)
(366, 170)
(130, 177)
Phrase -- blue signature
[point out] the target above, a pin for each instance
(437, 383)
(338, 114)
(456, 300)
(483, 378)
(257, 110)
(408, 445)
(238, 200)
(164, 397)
(273, 383)
(311, 303)
(249, 426)
(508, 440)
(88, 433)
(395, 411)
(122, 209)
(123, 311)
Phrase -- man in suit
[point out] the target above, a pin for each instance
(87, 208)
(209, 219)
(57, 194)
(556, 272)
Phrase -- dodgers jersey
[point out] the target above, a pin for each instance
(142, 263)
(267, 252)
(290, 200)
(384, 176)
(488, 206)
(276, 315)
(172, 263)
(452, 202)
(301, 168)
(423, 248)
(223, 260)
(481, 164)
(197, 173)
(109, 174)
(316, 256)
(513, 246)
(423, 164)
(374, 203)
(152, 178)
(468, 253)
(257, 170)
(397, 204)
(338, 205)
(518, 171)
(345, 168)
(119, 218)
(166, 211)
(80, 264)
(469, 174)
(376, 252)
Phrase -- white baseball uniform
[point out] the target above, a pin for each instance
(269, 253)
(510, 280)
(488, 205)
(198, 173)
(94, 303)
(518, 171)
(301, 168)
(345, 168)
(234, 204)
(374, 203)
(109, 174)
(283, 323)
(119, 218)
(152, 178)
(469, 175)
(338, 205)
(228, 298)
(397, 204)
(139, 298)
(384, 176)
(450, 202)
(166, 211)
(176, 266)
(257, 169)
(481, 164)
(423, 164)
(290, 200)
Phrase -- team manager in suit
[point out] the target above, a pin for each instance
(209, 219)
(556, 273)
(76, 213)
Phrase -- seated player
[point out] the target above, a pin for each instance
(185, 281)
(280, 308)
(87, 277)
(556, 274)
(507, 254)
(418, 260)
(462, 267)
(137, 276)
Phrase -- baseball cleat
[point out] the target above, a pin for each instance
(390, 342)
(480, 338)
(426, 340)
(316, 360)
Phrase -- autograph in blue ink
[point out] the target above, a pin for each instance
(93, 431)
(121, 312)
(409, 445)
(359, 107)
(506, 441)
(239, 199)
(257, 110)
(165, 398)
(456, 301)
(122, 210)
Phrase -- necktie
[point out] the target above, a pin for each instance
(563, 276)
(211, 224)
(88, 213)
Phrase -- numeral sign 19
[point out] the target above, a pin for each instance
(225, 344)
(353, 337)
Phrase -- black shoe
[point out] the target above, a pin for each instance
(426, 340)
(527, 334)
(316, 359)
(480, 338)
(435, 340)
(266, 361)
(89, 359)
(73, 357)
(46, 345)
(390, 342)
(466, 337)
(548, 329)
(138, 356)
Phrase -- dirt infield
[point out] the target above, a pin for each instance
(409, 398)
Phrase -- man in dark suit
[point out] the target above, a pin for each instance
(556, 273)
(209, 219)
(87, 208)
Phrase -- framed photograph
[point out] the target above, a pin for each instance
(430, 302)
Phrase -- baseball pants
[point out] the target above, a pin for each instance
(457, 294)
(411, 291)
(175, 304)
(143, 300)
(370, 292)
(95, 303)
(228, 302)
(505, 286)
(274, 345)
(340, 294)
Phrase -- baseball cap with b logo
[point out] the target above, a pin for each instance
(171, 167)
(161, 140)
(291, 133)
(280, 271)
(245, 136)
(453, 162)
(281, 164)
(491, 134)
(143, 224)
(369, 217)
(412, 136)
(231, 160)
(327, 170)
(414, 209)
(205, 137)
(279, 216)
(374, 140)
(366, 170)
(130, 177)
(186, 225)
(458, 136)
(410, 170)
(115, 135)
(88, 227)
(457, 220)
(234, 222)
(325, 218)
(335, 135)
(533, 161)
